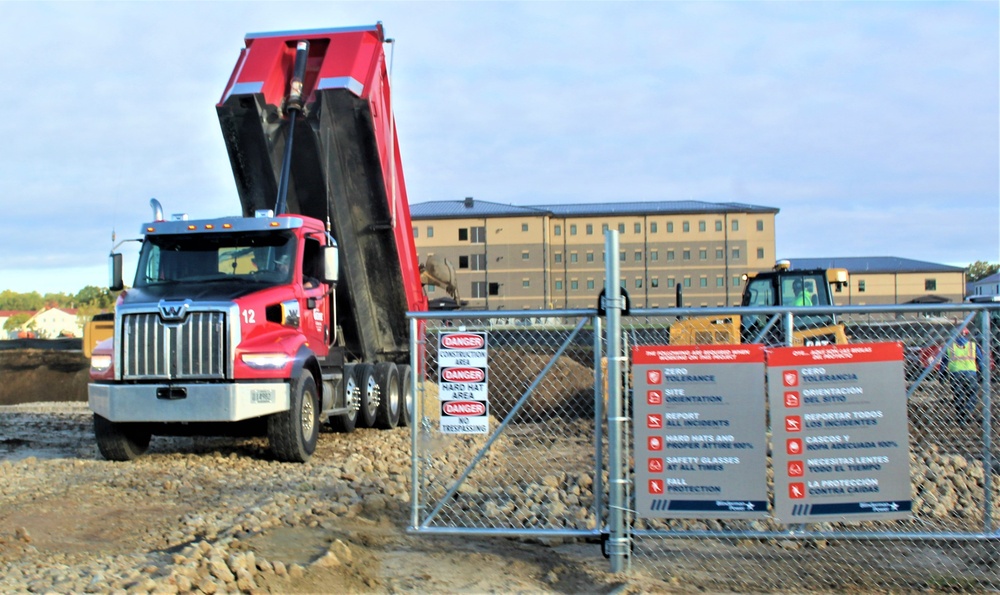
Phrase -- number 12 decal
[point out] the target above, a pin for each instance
(248, 317)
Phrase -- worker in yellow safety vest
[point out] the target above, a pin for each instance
(963, 360)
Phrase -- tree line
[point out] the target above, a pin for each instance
(88, 301)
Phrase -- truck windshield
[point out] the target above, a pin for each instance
(263, 257)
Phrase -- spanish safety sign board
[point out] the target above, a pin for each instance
(462, 382)
(839, 427)
(700, 431)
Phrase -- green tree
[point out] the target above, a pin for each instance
(16, 321)
(11, 300)
(980, 270)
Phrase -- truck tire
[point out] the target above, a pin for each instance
(406, 411)
(346, 422)
(293, 433)
(370, 395)
(118, 441)
(387, 377)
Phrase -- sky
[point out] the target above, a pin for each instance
(873, 126)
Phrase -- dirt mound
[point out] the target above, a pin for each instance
(34, 375)
(567, 390)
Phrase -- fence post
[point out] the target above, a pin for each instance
(599, 400)
(617, 541)
(986, 345)
(416, 366)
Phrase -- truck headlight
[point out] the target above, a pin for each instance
(99, 363)
(265, 361)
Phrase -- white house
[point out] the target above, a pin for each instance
(52, 323)
(986, 286)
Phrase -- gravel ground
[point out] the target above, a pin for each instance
(216, 515)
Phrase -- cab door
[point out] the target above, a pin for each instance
(313, 303)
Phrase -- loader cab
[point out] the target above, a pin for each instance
(785, 287)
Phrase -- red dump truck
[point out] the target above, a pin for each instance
(294, 313)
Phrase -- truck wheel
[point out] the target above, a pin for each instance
(118, 441)
(387, 377)
(370, 395)
(406, 411)
(293, 433)
(346, 422)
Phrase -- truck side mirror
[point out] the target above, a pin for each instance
(115, 272)
(331, 264)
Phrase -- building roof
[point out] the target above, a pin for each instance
(874, 264)
(473, 208)
(994, 278)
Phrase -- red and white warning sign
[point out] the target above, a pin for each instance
(463, 376)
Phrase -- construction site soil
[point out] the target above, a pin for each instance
(219, 515)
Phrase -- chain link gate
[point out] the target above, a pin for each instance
(949, 542)
(535, 471)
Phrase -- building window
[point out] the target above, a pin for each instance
(416, 232)
(671, 283)
(760, 225)
(720, 254)
(494, 289)
(590, 229)
(760, 253)
(638, 256)
(478, 262)
(930, 284)
(463, 234)
(479, 289)
(430, 231)
(736, 253)
(670, 254)
(701, 226)
(558, 230)
(524, 227)
(720, 281)
(670, 227)
(736, 224)
(621, 228)
(718, 226)
(525, 282)
(590, 257)
(638, 283)
(604, 227)
(572, 257)
(574, 284)
(590, 283)
(861, 285)
(687, 281)
(652, 227)
(559, 285)
(477, 235)
(654, 282)
(525, 255)
(703, 254)
(654, 255)
(621, 256)
(737, 281)
(686, 227)
(572, 229)
(431, 288)
(703, 282)
(557, 256)
(687, 255)
(638, 228)
(463, 262)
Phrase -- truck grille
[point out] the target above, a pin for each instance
(194, 349)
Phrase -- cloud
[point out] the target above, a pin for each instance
(858, 116)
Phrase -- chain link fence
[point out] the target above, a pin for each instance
(540, 468)
(534, 469)
(949, 542)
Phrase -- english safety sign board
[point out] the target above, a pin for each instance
(462, 382)
(700, 431)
